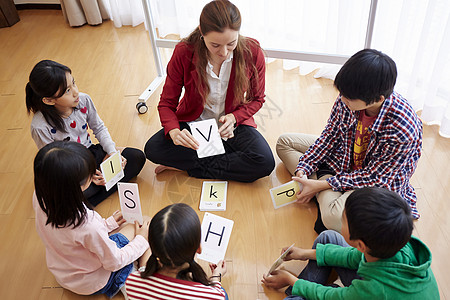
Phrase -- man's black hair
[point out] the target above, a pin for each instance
(367, 75)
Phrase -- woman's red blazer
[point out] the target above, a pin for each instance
(181, 73)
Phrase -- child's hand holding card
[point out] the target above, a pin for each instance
(280, 260)
(286, 193)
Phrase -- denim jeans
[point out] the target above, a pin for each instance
(117, 278)
(312, 272)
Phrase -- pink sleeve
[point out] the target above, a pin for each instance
(95, 238)
(110, 223)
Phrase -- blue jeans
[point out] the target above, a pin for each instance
(312, 272)
(117, 278)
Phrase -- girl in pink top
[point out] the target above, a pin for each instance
(79, 251)
(171, 271)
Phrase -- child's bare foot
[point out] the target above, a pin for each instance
(162, 168)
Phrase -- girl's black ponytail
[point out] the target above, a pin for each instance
(174, 237)
(151, 268)
(47, 79)
(32, 100)
(196, 272)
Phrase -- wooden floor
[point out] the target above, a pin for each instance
(114, 66)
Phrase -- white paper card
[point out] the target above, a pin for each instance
(207, 135)
(214, 196)
(280, 260)
(216, 232)
(112, 170)
(130, 203)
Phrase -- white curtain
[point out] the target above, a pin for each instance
(126, 12)
(80, 12)
(415, 33)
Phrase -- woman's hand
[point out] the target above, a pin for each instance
(220, 268)
(226, 130)
(279, 279)
(299, 173)
(183, 138)
(98, 179)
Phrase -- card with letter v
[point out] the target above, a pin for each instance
(207, 135)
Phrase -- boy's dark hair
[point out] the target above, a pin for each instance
(47, 80)
(60, 168)
(174, 237)
(380, 218)
(367, 75)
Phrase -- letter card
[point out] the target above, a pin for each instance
(130, 203)
(112, 170)
(207, 135)
(285, 194)
(214, 196)
(216, 232)
(280, 260)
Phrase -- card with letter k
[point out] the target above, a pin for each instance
(214, 196)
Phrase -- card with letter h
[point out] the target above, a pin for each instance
(216, 232)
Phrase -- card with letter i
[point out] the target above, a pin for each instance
(285, 194)
(112, 170)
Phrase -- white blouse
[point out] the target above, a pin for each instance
(218, 85)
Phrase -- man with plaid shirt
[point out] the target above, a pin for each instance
(373, 138)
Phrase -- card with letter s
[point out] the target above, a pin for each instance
(130, 203)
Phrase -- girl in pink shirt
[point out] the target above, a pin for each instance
(79, 251)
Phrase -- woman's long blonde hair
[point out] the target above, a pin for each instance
(217, 16)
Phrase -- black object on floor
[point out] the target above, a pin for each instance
(318, 226)
(323, 170)
(288, 291)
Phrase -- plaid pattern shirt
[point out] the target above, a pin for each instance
(394, 149)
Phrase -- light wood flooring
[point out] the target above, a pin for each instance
(114, 65)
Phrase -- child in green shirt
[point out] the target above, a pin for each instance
(376, 257)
